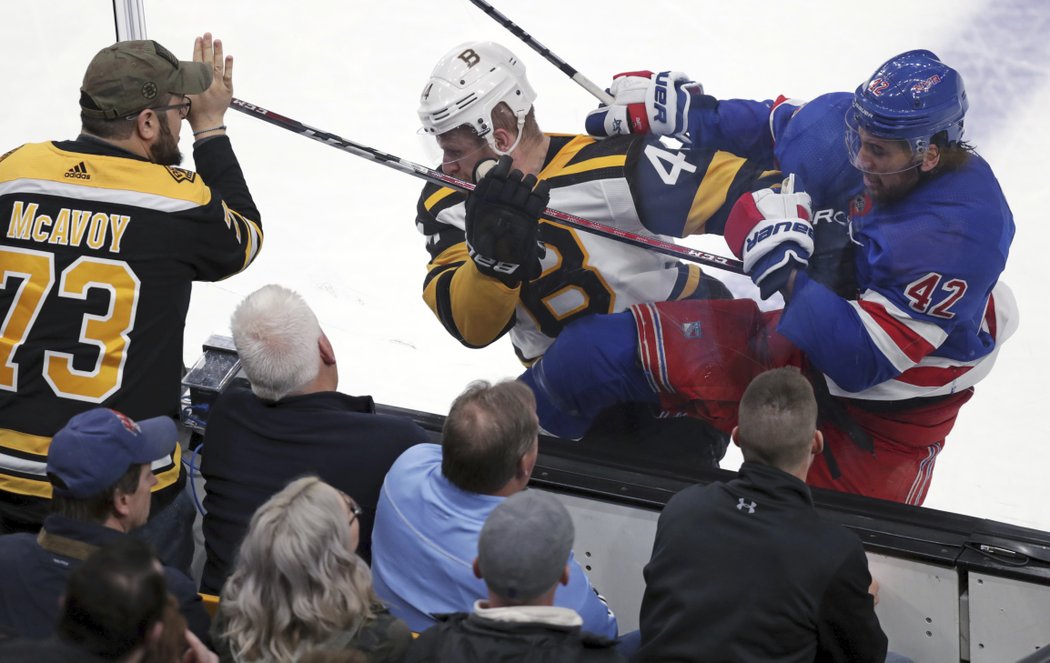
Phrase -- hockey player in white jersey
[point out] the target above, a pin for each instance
(494, 271)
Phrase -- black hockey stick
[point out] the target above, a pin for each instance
(580, 79)
(437, 177)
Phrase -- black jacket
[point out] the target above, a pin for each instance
(34, 577)
(50, 650)
(469, 638)
(253, 448)
(748, 571)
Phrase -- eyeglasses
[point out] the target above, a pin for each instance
(184, 109)
(355, 510)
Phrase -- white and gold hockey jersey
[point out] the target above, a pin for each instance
(634, 183)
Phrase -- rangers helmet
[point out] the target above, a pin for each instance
(912, 96)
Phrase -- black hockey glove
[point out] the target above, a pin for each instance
(503, 222)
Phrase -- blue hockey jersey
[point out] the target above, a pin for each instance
(908, 303)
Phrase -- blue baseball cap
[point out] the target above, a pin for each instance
(97, 447)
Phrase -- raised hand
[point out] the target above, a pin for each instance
(644, 102)
(209, 107)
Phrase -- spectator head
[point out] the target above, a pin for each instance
(171, 644)
(99, 466)
(490, 439)
(297, 580)
(778, 421)
(281, 345)
(115, 600)
(130, 76)
(523, 549)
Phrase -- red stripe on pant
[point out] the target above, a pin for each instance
(906, 445)
(713, 349)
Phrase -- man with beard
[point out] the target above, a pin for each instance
(100, 240)
(909, 315)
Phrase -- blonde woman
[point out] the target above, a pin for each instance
(299, 586)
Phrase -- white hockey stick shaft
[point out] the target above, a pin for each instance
(579, 78)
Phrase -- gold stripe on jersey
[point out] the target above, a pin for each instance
(235, 220)
(38, 445)
(562, 163)
(22, 486)
(43, 168)
(437, 197)
(692, 282)
(24, 442)
(712, 192)
(454, 283)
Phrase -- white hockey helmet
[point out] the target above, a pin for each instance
(466, 85)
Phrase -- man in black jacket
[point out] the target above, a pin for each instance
(99, 468)
(523, 554)
(747, 570)
(291, 422)
(114, 609)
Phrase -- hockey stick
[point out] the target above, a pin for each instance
(437, 177)
(580, 79)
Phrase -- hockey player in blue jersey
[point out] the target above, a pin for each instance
(898, 318)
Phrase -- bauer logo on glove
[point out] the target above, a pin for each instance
(644, 102)
(772, 234)
(502, 223)
(767, 229)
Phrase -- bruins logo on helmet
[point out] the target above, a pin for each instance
(181, 174)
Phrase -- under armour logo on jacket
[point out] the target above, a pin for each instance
(750, 506)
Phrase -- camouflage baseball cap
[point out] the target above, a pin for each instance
(130, 76)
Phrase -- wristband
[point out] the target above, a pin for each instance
(204, 131)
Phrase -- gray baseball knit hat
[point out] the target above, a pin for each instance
(524, 545)
(130, 76)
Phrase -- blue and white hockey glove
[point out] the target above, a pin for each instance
(502, 223)
(772, 234)
(644, 102)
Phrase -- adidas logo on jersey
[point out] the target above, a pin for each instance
(78, 172)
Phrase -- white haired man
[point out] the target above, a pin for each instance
(291, 421)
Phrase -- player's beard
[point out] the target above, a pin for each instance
(166, 150)
(890, 188)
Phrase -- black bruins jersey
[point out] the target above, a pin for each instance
(98, 251)
(634, 183)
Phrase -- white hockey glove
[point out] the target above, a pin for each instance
(644, 102)
(771, 233)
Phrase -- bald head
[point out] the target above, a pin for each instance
(488, 430)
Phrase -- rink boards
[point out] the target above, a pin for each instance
(953, 587)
